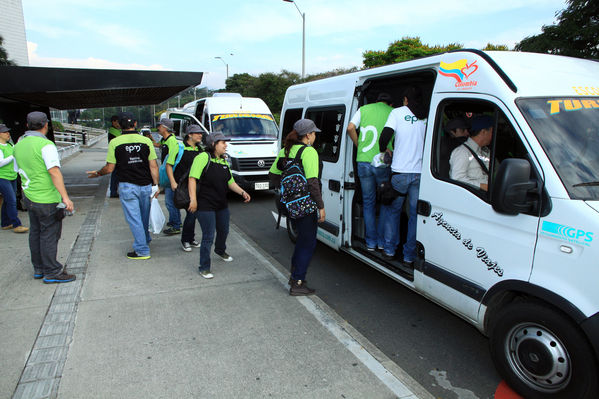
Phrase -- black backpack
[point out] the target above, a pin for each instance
(294, 199)
(181, 198)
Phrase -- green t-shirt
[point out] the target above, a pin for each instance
(114, 132)
(372, 121)
(309, 161)
(35, 179)
(7, 171)
(172, 146)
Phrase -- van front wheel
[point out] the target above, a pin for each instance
(291, 230)
(542, 354)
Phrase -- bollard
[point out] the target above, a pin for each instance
(83, 137)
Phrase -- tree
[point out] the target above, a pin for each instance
(4, 55)
(496, 47)
(405, 49)
(576, 33)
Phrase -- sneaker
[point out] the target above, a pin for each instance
(37, 276)
(226, 257)
(206, 274)
(386, 256)
(61, 278)
(9, 227)
(195, 244)
(409, 264)
(20, 229)
(172, 231)
(134, 255)
(300, 288)
(186, 246)
(369, 249)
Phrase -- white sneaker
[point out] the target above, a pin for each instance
(206, 274)
(226, 257)
(195, 243)
(186, 246)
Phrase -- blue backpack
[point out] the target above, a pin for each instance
(295, 200)
(164, 181)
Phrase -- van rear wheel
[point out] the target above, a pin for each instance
(542, 354)
(291, 230)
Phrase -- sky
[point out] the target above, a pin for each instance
(262, 35)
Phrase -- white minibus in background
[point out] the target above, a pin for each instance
(250, 127)
(519, 261)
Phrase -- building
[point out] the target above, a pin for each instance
(12, 30)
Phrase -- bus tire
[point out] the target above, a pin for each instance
(541, 353)
(291, 231)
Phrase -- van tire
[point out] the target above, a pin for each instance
(291, 231)
(549, 344)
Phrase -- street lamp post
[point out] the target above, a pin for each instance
(226, 65)
(303, 15)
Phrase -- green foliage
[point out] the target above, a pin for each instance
(4, 55)
(57, 126)
(576, 33)
(405, 49)
(496, 47)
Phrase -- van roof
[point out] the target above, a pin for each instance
(235, 104)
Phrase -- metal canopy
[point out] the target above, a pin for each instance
(67, 88)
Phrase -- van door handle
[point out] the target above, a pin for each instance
(335, 185)
(424, 208)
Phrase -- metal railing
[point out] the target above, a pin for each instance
(77, 134)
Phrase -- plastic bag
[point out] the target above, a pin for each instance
(157, 218)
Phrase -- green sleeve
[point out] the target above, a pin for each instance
(110, 157)
(198, 165)
(173, 150)
(274, 169)
(310, 162)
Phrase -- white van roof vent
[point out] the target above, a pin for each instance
(226, 95)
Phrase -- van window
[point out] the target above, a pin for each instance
(453, 160)
(330, 120)
(242, 126)
(291, 116)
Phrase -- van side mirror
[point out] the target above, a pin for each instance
(512, 187)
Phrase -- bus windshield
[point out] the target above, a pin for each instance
(568, 130)
(245, 126)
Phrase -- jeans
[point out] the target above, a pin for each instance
(174, 216)
(211, 221)
(370, 178)
(114, 184)
(404, 183)
(44, 233)
(8, 189)
(189, 226)
(136, 201)
(305, 245)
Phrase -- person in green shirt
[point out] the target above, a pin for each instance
(370, 119)
(46, 197)
(169, 149)
(303, 134)
(8, 184)
(114, 131)
(211, 176)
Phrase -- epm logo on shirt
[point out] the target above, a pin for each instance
(567, 233)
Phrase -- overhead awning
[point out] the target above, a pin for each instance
(69, 88)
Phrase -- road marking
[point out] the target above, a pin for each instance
(283, 219)
(349, 342)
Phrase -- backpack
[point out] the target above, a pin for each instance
(181, 195)
(164, 181)
(294, 200)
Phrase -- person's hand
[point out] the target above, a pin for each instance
(322, 215)
(193, 205)
(174, 186)
(92, 174)
(69, 204)
(155, 191)
(246, 196)
(484, 186)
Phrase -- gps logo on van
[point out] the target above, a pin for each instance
(461, 72)
(567, 233)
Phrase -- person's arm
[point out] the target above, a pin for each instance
(191, 188)
(171, 176)
(386, 136)
(58, 182)
(155, 176)
(106, 169)
(5, 161)
(238, 190)
(353, 133)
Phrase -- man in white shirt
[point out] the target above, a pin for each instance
(408, 123)
(469, 162)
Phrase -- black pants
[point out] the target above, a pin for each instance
(44, 233)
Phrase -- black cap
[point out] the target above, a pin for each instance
(482, 122)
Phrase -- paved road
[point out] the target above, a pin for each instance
(442, 352)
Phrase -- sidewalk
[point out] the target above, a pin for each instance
(157, 329)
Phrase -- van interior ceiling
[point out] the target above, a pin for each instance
(394, 85)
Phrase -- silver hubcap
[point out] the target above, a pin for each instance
(538, 357)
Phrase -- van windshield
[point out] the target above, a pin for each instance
(568, 130)
(245, 126)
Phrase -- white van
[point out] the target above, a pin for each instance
(521, 261)
(248, 124)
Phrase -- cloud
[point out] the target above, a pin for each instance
(90, 62)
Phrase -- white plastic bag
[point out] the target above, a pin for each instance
(157, 218)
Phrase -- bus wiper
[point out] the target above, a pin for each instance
(587, 184)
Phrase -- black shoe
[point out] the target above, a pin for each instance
(388, 257)
(134, 255)
(300, 288)
(172, 231)
(61, 278)
(408, 264)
